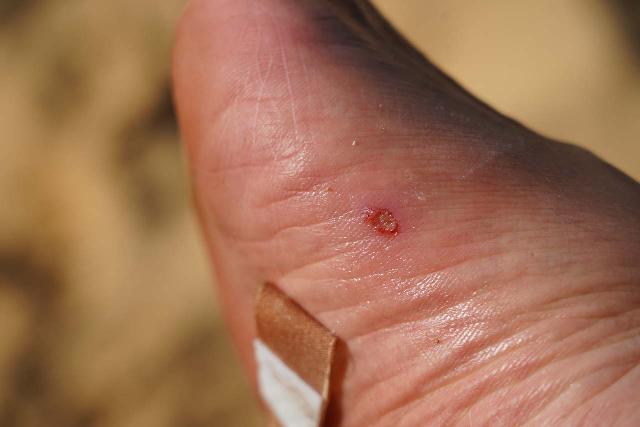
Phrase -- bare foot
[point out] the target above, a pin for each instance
(477, 272)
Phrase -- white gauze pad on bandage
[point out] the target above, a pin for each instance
(293, 402)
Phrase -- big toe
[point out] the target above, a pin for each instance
(445, 244)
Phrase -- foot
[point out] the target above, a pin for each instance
(476, 271)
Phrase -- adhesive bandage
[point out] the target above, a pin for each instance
(294, 353)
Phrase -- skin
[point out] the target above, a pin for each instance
(510, 294)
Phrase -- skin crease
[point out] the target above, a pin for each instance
(510, 294)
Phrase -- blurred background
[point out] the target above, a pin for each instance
(107, 314)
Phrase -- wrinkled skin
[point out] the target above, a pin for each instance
(510, 293)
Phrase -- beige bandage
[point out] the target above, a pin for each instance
(294, 353)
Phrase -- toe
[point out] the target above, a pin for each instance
(430, 233)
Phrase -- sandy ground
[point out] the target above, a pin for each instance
(107, 315)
